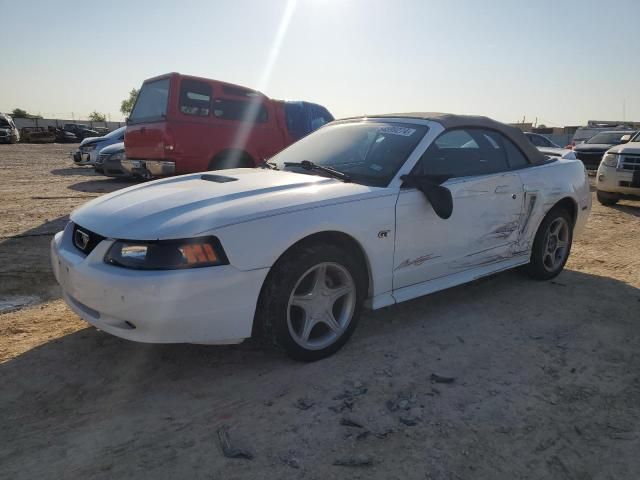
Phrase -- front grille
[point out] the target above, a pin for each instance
(630, 163)
(85, 240)
(589, 158)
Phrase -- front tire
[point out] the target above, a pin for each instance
(607, 198)
(551, 246)
(312, 300)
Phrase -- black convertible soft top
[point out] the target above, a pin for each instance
(449, 120)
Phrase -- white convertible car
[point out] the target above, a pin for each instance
(365, 211)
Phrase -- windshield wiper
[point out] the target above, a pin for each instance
(307, 165)
(268, 165)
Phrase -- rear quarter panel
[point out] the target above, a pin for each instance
(548, 184)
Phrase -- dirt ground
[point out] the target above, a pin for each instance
(547, 375)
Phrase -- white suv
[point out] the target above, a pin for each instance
(619, 173)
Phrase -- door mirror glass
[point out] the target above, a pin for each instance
(438, 196)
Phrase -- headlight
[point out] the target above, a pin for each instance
(117, 156)
(610, 159)
(167, 254)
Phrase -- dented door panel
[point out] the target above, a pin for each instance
(484, 228)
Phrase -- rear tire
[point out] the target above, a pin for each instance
(607, 198)
(551, 246)
(312, 300)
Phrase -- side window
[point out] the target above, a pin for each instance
(240, 110)
(195, 98)
(464, 153)
(514, 156)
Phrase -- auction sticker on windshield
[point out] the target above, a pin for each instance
(404, 131)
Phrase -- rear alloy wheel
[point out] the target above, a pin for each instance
(312, 300)
(607, 198)
(551, 246)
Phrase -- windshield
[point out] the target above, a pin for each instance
(151, 103)
(369, 152)
(4, 122)
(610, 138)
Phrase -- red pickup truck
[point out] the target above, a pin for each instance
(183, 124)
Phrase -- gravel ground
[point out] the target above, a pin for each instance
(503, 378)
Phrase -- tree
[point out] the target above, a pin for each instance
(127, 105)
(20, 113)
(97, 117)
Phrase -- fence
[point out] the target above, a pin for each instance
(56, 122)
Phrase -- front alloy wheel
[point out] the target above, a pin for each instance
(311, 301)
(321, 306)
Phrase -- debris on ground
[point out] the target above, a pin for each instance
(349, 422)
(290, 460)
(409, 421)
(304, 403)
(355, 391)
(355, 461)
(435, 378)
(229, 450)
(403, 401)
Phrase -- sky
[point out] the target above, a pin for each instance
(561, 61)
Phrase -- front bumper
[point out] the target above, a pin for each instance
(213, 305)
(149, 168)
(614, 180)
(110, 168)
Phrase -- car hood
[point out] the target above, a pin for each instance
(592, 147)
(556, 152)
(197, 204)
(89, 140)
(629, 148)
(113, 148)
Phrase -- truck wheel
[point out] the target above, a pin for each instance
(231, 160)
(551, 245)
(311, 301)
(607, 198)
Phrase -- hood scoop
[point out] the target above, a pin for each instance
(217, 178)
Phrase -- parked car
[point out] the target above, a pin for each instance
(89, 148)
(182, 124)
(365, 211)
(547, 147)
(8, 131)
(109, 161)
(591, 151)
(585, 133)
(62, 136)
(80, 130)
(619, 173)
(36, 135)
(540, 140)
(102, 130)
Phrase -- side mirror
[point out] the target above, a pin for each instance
(438, 196)
(625, 138)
